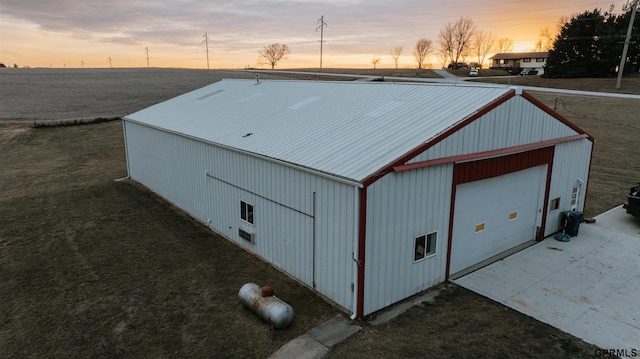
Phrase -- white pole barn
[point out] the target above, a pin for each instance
(366, 192)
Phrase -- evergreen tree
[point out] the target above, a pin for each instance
(590, 45)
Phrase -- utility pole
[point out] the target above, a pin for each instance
(321, 27)
(82, 63)
(110, 63)
(146, 50)
(627, 41)
(206, 45)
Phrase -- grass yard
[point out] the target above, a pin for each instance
(615, 124)
(92, 267)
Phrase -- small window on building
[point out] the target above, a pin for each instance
(513, 216)
(555, 204)
(540, 59)
(479, 227)
(246, 212)
(526, 60)
(425, 246)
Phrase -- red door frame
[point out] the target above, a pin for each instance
(493, 167)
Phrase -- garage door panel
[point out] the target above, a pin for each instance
(506, 207)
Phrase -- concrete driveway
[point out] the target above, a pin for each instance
(588, 287)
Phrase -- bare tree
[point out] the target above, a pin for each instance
(483, 43)
(538, 46)
(375, 61)
(274, 53)
(504, 45)
(442, 57)
(422, 49)
(395, 54)
(455, 39)
(545, 42)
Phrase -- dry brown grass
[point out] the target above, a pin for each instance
(615, 124)
(462, 324)
(630, 84)
(91, 267)
(94, 268)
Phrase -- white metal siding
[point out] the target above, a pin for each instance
(208, 182)
(513, 123)
(401, 207)
(570, 166)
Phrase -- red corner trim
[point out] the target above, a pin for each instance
(362, 236)
(450, 238)
(545, 205)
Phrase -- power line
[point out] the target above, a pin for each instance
(206, 44)
(146, 50)
(627, 40)
(321, 27)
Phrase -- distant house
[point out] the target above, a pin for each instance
(520, 60)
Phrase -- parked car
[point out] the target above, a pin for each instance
(528, 72)
(457, 65)
(473, 73)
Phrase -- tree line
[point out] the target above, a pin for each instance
(588, 44)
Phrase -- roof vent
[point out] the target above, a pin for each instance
(247, 135)
(257, 79)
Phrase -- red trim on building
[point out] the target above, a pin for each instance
(435, 140)
(586, 189)
(545, 205)
(498, 166)
(449, 241)
(493, 167)
(554, 114)
(487, 154)
(362, 239)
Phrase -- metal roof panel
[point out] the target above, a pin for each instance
(349, 130)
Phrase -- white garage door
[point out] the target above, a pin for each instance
(494, 215)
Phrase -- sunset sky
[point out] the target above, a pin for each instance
(68, 33)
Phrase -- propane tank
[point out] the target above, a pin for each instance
(263, 303)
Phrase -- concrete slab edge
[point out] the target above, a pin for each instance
(316, 342)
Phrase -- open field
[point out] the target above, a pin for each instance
(92, 267)
(60, 94)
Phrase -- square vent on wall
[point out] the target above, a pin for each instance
(250, 237)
